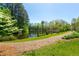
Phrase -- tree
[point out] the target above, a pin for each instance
(20, 14)
(45, 28)
(7, 24)
(75, 24)
(42, 26)
(22, 17)
(58, 26)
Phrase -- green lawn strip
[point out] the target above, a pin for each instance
(36, 38)
(69, 48)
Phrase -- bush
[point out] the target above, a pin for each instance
(71, 36)
(68, 37)
(7, 38)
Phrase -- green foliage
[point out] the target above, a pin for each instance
(75, 24)
(69, 48)
(20, 14)
(37, 38)
(68, 37)
(72, 36)
(25, 30)
(7, 24)
(45, 28)
(22, 18)
(60, 26)
(7, 38)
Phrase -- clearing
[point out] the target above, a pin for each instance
(17, 48)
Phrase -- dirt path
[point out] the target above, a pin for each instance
(12, 49)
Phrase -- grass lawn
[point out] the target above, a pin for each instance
(69, 48)
(36, 38)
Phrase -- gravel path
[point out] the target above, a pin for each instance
(13, 49)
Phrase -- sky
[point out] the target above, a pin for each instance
(38, 12)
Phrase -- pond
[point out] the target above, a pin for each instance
(32, 35)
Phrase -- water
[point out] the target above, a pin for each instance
(32, 35)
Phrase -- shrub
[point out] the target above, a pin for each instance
(76, 34)
(7, 38)
(68, 37)
(71, 36)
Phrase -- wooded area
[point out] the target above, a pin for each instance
(16, 11)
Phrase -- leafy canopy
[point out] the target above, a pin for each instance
(7, 24)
